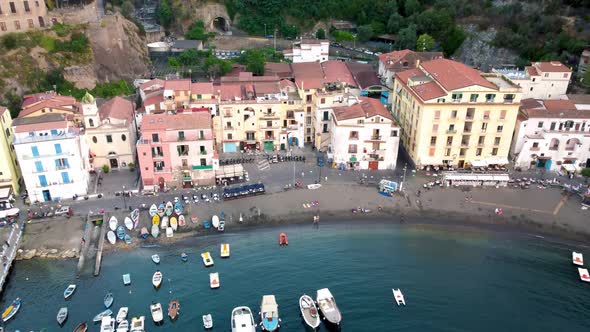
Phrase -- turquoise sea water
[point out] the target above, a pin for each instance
(452, 280)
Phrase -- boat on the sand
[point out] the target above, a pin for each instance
(121, 232)
(174, 223)
(155, 231)
(181, 221)
(161, 209)
(113, 223)
(169, 209)
(144, 233)
(153, 210)
(164, 222)
(156, 220)
(128, 223)
(111, 237)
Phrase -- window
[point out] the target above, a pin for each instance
(35, 151)
(94, 139)
(202, 149)
(325, 128)
(440, 100)
(552, 127)
(568, 124)
(353, 135)
(57, 148)
(38, 166)
(182, 150)
(7, 131)
(42, 181)
(250, 136)
(203, 162)
(158, 165)
(326, 116)
(201, 134)
(453, 114)
(565, 75)
(181, 133)
(36, 3)
(109, 138)
(531, 89)
(308, 109)
(431, 152)
(497, 141)
(199, 97)
(433, 140)
(123, 137)
(473, 98)
(456, 97)
(26, 5)
(31, 23)
(184, 162)
(229, 136)
(65, 177)
(268, 124)
(490, 97)
(308, 98)
(323, 101)
(449, 140)
(91, 122)
(546, 75)
(494, 151)
(155, 138)
(360, 121)
(394, 133)
(436, 115)
(352, 148)
(451, 128)
(478, 152)
(540, 124)
(447, 152)
(17, 25)
(484, 127)
(308, 121)
(470, 113)
(502, 114)
(486, 115)
(508, 98)
(1, 11)
(500, 128)
(465, 140)
(462, 152)
(467, 127)
(3, 26)
(535, 145)
(12, 8)
(435, 128)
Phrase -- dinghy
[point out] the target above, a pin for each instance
(137, 324)
(156, 259)
(184, 257)
(224, 250)
(398, 296)
(105, 313)
(108, 300)
(157, 279)
(577, 258)
(174, 223)
(157, 315)
(113, 223)
(214, 280)
(123, 326)
(169, 232)
(69, 291)
(153, 210)
(215, 221)
(195, 219)
(207, 260)
(161, 210)
(128, 239)
(181, 221)
(107, 324)
(207, 321)
(283, 239)
(121, 232)
(156, 220)
(164, 222)
(242, 320)
(155, 231)
(169, 209)
(111, 237)
(327, 305)
(134, 215)
(128, 223)
(269, 313)
(309, 311)
(82, 327)
(127, 279)
(221, 227)
(173, 309)
(584, 276)
(144, 233)
(62, 315)
(178, 208)
(122, 314)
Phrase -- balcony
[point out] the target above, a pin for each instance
(451, 131)
(269, 138)
(375, 137)
(202, 167)
(157, 155)
(267, 115)
(61, 134)
(227, 128)
(62, 167)
(353, 138)
(535, 148)
(50, 155)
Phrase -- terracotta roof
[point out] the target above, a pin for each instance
(552, 66)
(38, 101)
(337, 71)
(308, 75)
(531, 71)
(365, 108)
(266, 88)
(364, 74)
(230, 92)
(287, 84)
(51, 95)
(178, 85)
(38, 123)
(116, 108)
(453, 75)
(428, 91)
(559, 105)
(154, 99)
(247, 77)
(536, 108)
(394, 61)
(282, 70)
(151, 83)
(155, 122)
(202, 88)
(579, 98)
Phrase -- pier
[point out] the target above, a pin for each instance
(89, 240)
(103, 231)
(9, 249)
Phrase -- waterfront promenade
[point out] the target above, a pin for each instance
(9, 250)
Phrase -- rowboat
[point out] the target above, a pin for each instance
(108, 300)
(113, 223)
(156, 258)
(169, 209)
(181, 221)
(128, 223)
(207, 321)
(82, 327)
(111, 237)
(128, 239)
(242, 320)
(169, 232)
(309, 311)
(153, 210)
(174, 223)
(269, 313)
(122, 314)
(161, 209)
(123, 326)
(221, 227)
(214, 280)
(62, 315)
(137, 324)
(178, 208)
(398, 296)
(156, 220)
(69, 291)
(105, 313)
(328, 307)
(195, 219)
(164, 222)
(156, 310)
(215, 221)
(157, 279)
(107, 324)
(134, 215)
(144, 233)
(173, 309)
(584, 276)
(184, 257)
(314, 186)
(121, 232)
(207, 260)
(126, 279)
(224, 250)
(155, 231)
(578, 258)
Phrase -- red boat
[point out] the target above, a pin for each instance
(283, 240)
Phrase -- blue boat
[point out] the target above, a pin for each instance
(178, 208)
(206, 224)
(121, 232)
(184, 257)
(269, 313)
(128, 239)
(161, 209)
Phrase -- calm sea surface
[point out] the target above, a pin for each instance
(452, 280)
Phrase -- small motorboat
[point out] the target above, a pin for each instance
(398, 296)
(155, 231)
(206, 224)
(69, 291)
(224, 250)
(314, 186)
(144, 233)
(153, 210)
(134, 215)
(157, 279)
(113, 223)
(12, 309)
(128, 223)
(584, 276)
(137, 324)
(178, 208)
(195, 219)
(82, 327)
(121, 232)
(207, 321)
(269, 313)
(111, 237)
(328, 308)
(107, 324)
(174, 223)
(99, 316)
(283, 239)
(128, 239)
(173, 309)
(242, 320)
(184, 257)
(156, 220)
(164, 222)
(62, 315)
(578, 258)
(126, 279)
(215, 221)
(156, 258)
(122, 314)
(169, 232)
(207, 260)
(214, 280)
(221, 227)
(309, 311)
(161, 209)
(169, 209)
(157, 315)
(181, 221)
(123, 326)
(108, 300)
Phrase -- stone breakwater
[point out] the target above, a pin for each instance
(24, 254)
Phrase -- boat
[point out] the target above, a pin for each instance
(161, 209)
(111, 237)
(155, 231)
(107, 324)
(157, 279)
(207, 260)
(178, 208)
(156, 258)
(69, 291)
(242, 320)
(169, 232)
(128, 239)
(164, 222)
(584, 276)
(169, 209)
(126, 279)
(207, 321)
(578, 258)
(314, 186)
(144, 233)
(181, 221)
(99, 316)
(309, 311)
(108, 300)
(224, 250)
(82, 327)
(221, 227)
(215, 221)
(156, 220)
(137, 324)
(12, 309)
(123, 326)
(214, 280)
(173, 309)
(174, 223)
(134, 215)
(269, 313)
(206, 224)
(113, 223)
(184, 257)
(122, 314)
(156, 310)
(121, 232)
(62, 315)
(398, 296)
(327, 305)
(195, 219)
(153, 210)
(128, 223)
(283, 239)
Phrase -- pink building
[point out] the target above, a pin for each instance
(176, 150)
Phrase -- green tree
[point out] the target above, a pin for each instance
(197, 32)
(406, 38)
(254, 59)
(365, 32)
(127, 8)
(425, 43)
(411, 7)
(173, 62)
(394, 23)
(164, 14)
(320, 34)
(586, 78)
(453, 40)
(217, 67)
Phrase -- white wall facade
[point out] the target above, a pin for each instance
(311, 52)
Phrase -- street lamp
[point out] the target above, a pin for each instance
(124, 199)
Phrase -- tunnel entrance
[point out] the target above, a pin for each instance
(221, 24)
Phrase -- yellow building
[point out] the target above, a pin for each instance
(10, 174)
(453, 115)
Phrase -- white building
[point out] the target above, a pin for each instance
(364, 136)
(309, 51)
(541, 80)
(552, 134)
(53, 157)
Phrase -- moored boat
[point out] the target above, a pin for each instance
(184, 257)
(207, 321)
(113, 223)
(173, 309)
(242, 320)
(62, 315)
(269, 313)
(144, 233)
(215, 221)
(577, 258)
(309, 311)
(181, 221)
(156, 220)
(137, 324)
(107, 324)
(156, 258)
(398, 296)
(157, 279)
(122, 314)
(126, 279)
(134, 215)
(153, 210)
(108, 300)
(128, 239)
(283, 239)
(207, 260)
(111, 237)
(128, 223)
(123, 326)
(156, 310)
(121, 232)
(11, 310)
(69, 291)
(327, 305)
(164, 222)
(169, 209)
(155, 231)
(214, 280)
(82, 327)
(161, 209)
(221, 227)
(174, 223)
(169, 232)
(224, 249)
(584, 276)
(99, 316)
(178, 208)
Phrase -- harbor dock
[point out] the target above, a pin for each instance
(9, 250)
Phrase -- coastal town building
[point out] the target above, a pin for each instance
(53, 157)
(308, 50)
(455, 116)
(540, 80)
(20, 16)
(398, 61)
(583, 64)
(10, 176)
(38, 104)
(176, 150)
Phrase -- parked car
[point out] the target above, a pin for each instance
(64, 211)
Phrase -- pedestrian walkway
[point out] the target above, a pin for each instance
(9, 249)
(263, 165)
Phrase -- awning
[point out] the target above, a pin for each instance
(497, 161)
(569, 167)
(479, 163)
(352, 159)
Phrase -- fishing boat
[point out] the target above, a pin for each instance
(99, 316)
(108, 300)
(327, 305)
(207, 321)
(215, 221)
(577, 258)
(224, 250)
(122, 314)
(111, 237)
(169, 232)
(242, 320)
(161, 209)
(113, 223)
(155, 231)
(309, 311)
(181, 221)
(128, 239)
(69, 291)
(214, 280)
(584, 276)
(207, 260)
(62, 315)
(128, 223)
(156, 310)
(157, 279)
(121, 232)
(144, 233)
(82, 327)
(169, 209)
(123, 326)
(178, 208)
(269, 313)
(156, 220)
(137, 324)
(174, 223)
(164, 222)
(153, 210)
(221, 227)
(184, 257)
(398, 296)
(12, 309)
(283, 239)
(107, 324)
(156, 258)
(126, 279)
(173, 309)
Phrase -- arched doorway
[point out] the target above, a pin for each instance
(161, 183)
(113, 160)
(221, 24)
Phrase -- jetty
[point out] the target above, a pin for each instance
(103, 231)
(9, 249)
(90, 240)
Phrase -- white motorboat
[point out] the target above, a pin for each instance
(126, 279)
(242, 320)
(207, 321)
(584, 276)
(153, 211)
(155, 231)
(398, 296)
(99, 317)
(327, 305)
(224, 250)
(314, 186)
(309, 311)
(62, 315)
(128, 223)
(207, 260)
(123, 326)
(157, 279)
(164, 223)
(137, 324)
(107, 324)
(156, 258)
(69, 291)
(169, 232)
(215, 221)
(269, 313)
(113, 223)
(111, 237)
(577, 258)
(214, 280)
(122, 314)
(156, 310)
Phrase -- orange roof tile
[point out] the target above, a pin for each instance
(151, 83)
(117, 108)
(202, 88)
(406, 59)
(453, 75)
(564, 109)
(552, 66)
(337, 71)
(34, 102)
(155, 122)
(230, 92)
(178, 85)
(38, 123)
(531, 71)
(365, 108)
(428, 91)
